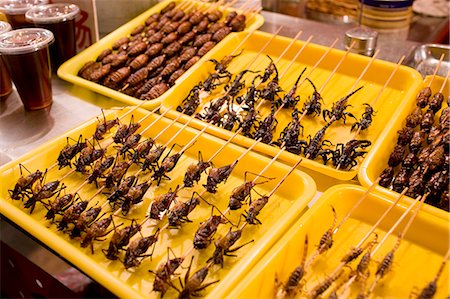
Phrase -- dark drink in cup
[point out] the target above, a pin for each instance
(5, 80)
(15, 11)
(25, 53)
(59, 18)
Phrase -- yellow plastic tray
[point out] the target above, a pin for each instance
(401, 89)
(68, 71)
(415, 264)
(283, 208)
(377, 159)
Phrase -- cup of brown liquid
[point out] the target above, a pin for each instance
(26, 55)
(5, 80)
(15, 11)
(59, 18)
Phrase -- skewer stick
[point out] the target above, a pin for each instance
(224, 145)
(244, 5)
(293, 59)
(420, 199)
(250, 33)
(438, 66)
(445, 82)
(337, 67)
(228, 4)
(264, 47)
(269, 164)
(136, 107)
(372, 59)
(155, 121)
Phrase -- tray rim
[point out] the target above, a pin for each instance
(72, 254)
(65, 73)
(263, 148)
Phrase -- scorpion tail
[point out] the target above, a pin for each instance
(301, 74)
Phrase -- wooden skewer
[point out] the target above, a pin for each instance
(250, 33)
(445, 82)
(438, 66)
(295, 57)
(155, 121)
(244, 4)
(228, 4)
(372, 59)
(264, 47)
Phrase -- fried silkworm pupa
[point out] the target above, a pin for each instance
(214, 15)
(116, 77)
(155, 38)
(185, 39)
(191, 62)
(119, 60)
(170, 68)
(215, 27)
(138, 29)
(120, 42)
(200, 40)
(137, 48)
(172, 49)
(206, 48)
(221, 34)
(178, 15)
(175, 75)
(230, 17)
(153, 18)
(100, 73)
(202, 26)
(184, 27)
(132, 90)
(155, 92)
(87, 69)
(147, 86)
(154, 50)
(156, 62)
(138, 62)
(238, 23)
(137, 76)
(187, 54)
(104, 53)
(170, 38)
(170, 27)
(168, 7)
(196, 18)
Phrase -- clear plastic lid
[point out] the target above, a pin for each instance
(52, 13)
(4, 27)
(25, 40)
(19, 7)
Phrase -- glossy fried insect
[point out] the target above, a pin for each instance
(240, 194)
(404, 136)
(206, 230)
(161, 203)
(401, 180)
(238, 23)
(103, 54)
(155, 91)
(416, 184)
(366, 119)
(313, 105)
(43, 192)
(212, 111)
(190, 102)
(147, 86)
(181, 210)
(152, 51)
(169, 69)
(117, 61)
(271, 92)
(223, 246)
(134, 196)
(290, 288)
(221, 34)
(120, 42)
(409, 161)
(202, 26)
(24, 185)
(85, 219)
(100, 73)
(120, 239)
(326, 241)
(156, 62)
(290, 100)
(221, 67)
(196, 17)
(175, 75)
(251, 94)
(313, 148)
(187, 54)
(206, 48)
(59, 205)
(72, 213)
(427, 121)
(97, 230)
(249, 122)
(346, 155)
(396, 156)
(289, 137)
(125, 131)
(139, 62)
(172, 49)
(413, 119)
(216, 26)
(103, 127)
(435, 130)
(338, 109)
(117, 172)
(86, 70)
(170, 38)
(230, 17)
(386, 176)
(187, 38)
(130, 143)
(152, 158)
(163, 275)
(69, 152)
(194, 171)
(141, 150)
(254, 209)
(137, 48)
(170, 27)
(137, 249)
(437, 183)
(423, 96)
(167, 165)
(416, 141)
(121, 189)
(436, 158)
(214, 80)
(138, 29)
(99, 169)
(230, 119)
(184, 27)
(217, 176)
(266, 128)
(436, 102)
(201, 39)
(116, 77)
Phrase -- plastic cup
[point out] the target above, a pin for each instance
(15, 11)
(25, 53)
(59, 18)
(5, 80)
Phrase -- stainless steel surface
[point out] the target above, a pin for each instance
(392, 46)
(426, 57)
(364, 40)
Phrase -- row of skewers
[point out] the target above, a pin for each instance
(238, 105)
(146, 63)
(419, 163)
(126, 177)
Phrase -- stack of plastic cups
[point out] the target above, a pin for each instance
(5, 80)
